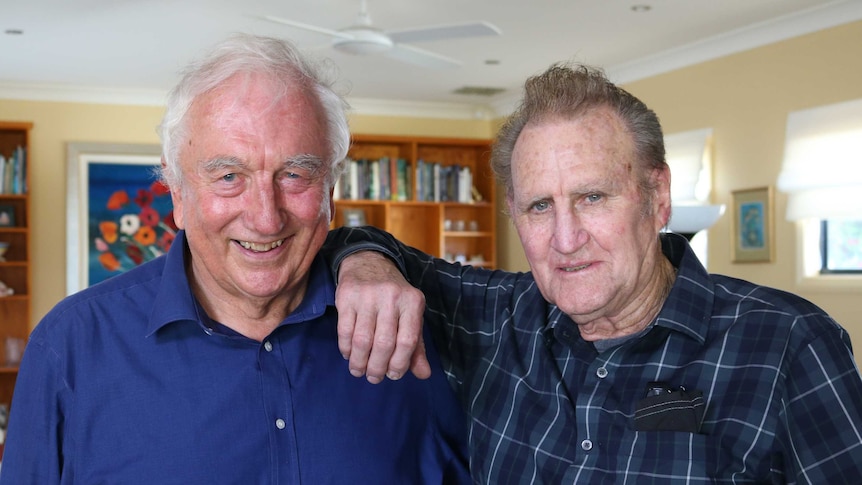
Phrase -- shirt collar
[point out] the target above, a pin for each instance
(688, 307)
(175, 302)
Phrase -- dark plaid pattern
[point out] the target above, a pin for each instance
(782, 392)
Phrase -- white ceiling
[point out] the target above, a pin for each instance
(130, 51)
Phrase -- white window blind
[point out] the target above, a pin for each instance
(822, 168)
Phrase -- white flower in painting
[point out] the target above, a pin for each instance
(129, 224)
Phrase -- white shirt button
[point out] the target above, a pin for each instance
(279, 423)
(601, 372)
(587, 445)
(268, 346)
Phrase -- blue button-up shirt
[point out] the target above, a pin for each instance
(130, 382)
(758, 385)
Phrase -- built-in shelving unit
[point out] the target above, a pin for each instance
(459, 229)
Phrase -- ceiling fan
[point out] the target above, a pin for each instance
(362, 38)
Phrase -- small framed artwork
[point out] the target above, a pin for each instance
(753, 239)
(7, 216)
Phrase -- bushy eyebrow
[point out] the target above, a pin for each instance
(306, 161)
(222, 162)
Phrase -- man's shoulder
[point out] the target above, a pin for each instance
(765, 310)
(749, 295)
(125, 295)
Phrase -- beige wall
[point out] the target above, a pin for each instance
(745, 98)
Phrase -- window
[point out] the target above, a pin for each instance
(841, 246)
(822, 177)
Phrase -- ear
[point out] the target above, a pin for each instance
(510, 206)
(331, 205)
(176, 200)
(662, 202)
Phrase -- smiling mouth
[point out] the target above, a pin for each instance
(261, 248)
(573, 269)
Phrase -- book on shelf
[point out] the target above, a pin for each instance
(444, 183)
(13, 172)
(380, 179)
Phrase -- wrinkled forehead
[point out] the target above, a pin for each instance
(595, 141)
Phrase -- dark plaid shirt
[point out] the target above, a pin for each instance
(782, 394)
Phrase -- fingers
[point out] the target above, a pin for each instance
(380, 343)
(419, 365)
(382, 347)
(346, 320)
(379, 319)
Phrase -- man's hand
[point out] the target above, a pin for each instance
(379, 319)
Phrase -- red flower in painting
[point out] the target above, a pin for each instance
(166, 240)
(159, 189)
(135, 254)
(118, 200)
(149, 217)
(144, 198)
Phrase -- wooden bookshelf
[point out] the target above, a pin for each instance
(462, 231)
(15, 267)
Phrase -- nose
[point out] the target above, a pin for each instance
(569, 232)
(266, 214)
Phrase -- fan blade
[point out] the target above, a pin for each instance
(420, 57)
(443, 32)
(312, 28)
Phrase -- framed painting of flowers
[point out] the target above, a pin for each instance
(119, 215)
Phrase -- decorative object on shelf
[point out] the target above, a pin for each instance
(4, 246)
(118, 214)
(5, 290)
(13, 350)
(354, 217)
(752, 225)
(7, 216)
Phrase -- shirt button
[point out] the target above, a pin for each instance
(268, 346)
(587, 445)
(279, 423)
(601, 372)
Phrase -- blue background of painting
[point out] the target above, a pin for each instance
(752, 234)
(103, 180)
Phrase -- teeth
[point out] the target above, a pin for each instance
(260, 248)
(576, 268)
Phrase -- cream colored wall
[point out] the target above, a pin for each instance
(746, 98)
(55, 124)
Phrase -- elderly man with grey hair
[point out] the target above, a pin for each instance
(218, 362)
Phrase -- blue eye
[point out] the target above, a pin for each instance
(594, 197)
(229, 177)
(542, 205)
